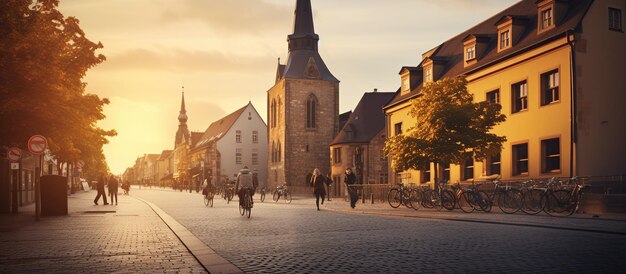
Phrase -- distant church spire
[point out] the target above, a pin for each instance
(303, 37)
(182, 134)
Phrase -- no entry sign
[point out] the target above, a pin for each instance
(37, 144)
(14, 154)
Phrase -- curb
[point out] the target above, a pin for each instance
(207, 257)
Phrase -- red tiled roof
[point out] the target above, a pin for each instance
(218, 128)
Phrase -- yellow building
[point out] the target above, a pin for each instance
(555, 68)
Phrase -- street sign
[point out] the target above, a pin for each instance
(14, 154)
(15, 166)
(80, 164)
(37, 144)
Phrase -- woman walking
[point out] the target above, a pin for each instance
(318, 181)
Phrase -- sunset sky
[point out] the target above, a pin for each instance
(224, 52)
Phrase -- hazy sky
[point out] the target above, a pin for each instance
(224, 52)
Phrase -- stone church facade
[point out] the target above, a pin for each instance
(303, 108)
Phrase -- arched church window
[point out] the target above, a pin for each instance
(311, 105)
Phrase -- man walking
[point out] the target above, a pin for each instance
(350, 180)
(100, 188)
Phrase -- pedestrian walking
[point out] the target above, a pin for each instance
(329, 182)
(318, 181)
(114, 185)
(101, 193)
(350, 181)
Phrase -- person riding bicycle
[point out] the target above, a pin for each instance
(244, 183)
(207, 186)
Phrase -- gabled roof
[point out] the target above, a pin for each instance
(165, 154)
(195, 137)
(343, 118)
(219, 128)
(452, 50)
(367, 120)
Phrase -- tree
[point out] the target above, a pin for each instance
(448, 124)
(43, 58)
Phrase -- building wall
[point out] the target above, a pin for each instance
(248, 122)
(376, 161)
(395, 115)
(601, 93)
(303, 149)
(276, 134)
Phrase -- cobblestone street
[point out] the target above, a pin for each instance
(288, 238)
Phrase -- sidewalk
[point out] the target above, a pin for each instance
(607, 223)
(128, 237)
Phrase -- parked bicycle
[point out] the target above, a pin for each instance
(262, 194)
(282, 191)
(402, 195)
(562, 199)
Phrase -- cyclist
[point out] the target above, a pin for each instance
(244, 183)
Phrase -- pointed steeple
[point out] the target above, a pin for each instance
(304, 60)
(182, 134)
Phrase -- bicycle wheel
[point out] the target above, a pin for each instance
(510, 201)
(447, 199)
(393, 197)
(262, 196)
(288, 197)
(242, 209)
(229, 197)
(414, 199)
(276, 196)
(558, 203)
(435, 200)
(206, 200)
(464, 201)
(406, 198)
(531, 201)
(484, 201)
(426, 199)
(248, 205)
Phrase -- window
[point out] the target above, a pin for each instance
(550, 155)
(406, 84)
(255, 158)
(310, 112)
(546, 18)
(470, 53)
(383, 178)
(615, 19)
(505, 39)
(468, 167)
(426, 175)
(493, 166)
(238, 156)
(279, 153)
(255, 136)
(428, 74)
(238, 136)
(520, 159)
(273, 114)
(493, 96)
(520, 96)
(273, 152)
(445, 173)
(337, 155)
(549, 87)
(397, 128)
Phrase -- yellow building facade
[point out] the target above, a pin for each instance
(552, 66)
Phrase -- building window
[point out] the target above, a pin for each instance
(238, 156)
(337, 155)
(397, 129)
(425, 173)
(470, 53)
(551, 155)
(520, 159)
(238, 136)
(406, 84)
(505, 39)
(549, 87)
(615, 19)
(310, 112)
(255, 158)
(255, 137)
(546, 18)
(428, 74)
(493, 166)
(279, 153)
(520, 96)
(445, 173)
(468, 167)
(493, 96)
(273, 152)
(383, 178)
(273, 114)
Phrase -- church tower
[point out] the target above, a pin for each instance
(303, 107)
(182, 134)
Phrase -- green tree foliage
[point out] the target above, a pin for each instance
(448, 124)
(43, 58)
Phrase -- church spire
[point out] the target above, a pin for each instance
(182, 134)
(182, 117)
(303, 37)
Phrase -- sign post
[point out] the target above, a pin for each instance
(14, 155)
(37, 144)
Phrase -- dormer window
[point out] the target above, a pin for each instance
(546, 18)
(550, 13)
(505, 39)
(470, 53)
(428, 74)
(406, 84)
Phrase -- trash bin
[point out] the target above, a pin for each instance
(53, 195)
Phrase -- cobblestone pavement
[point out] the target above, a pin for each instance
(295, 238)
(124, 238)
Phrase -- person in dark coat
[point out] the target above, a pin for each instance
(100, 188)
(350, 181)
(113, 187)
(329, 182)
(318, 181)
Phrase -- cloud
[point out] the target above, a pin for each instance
(231, 16)
(181, 60)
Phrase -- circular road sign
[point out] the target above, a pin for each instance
(14, 154)
(37, 144)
